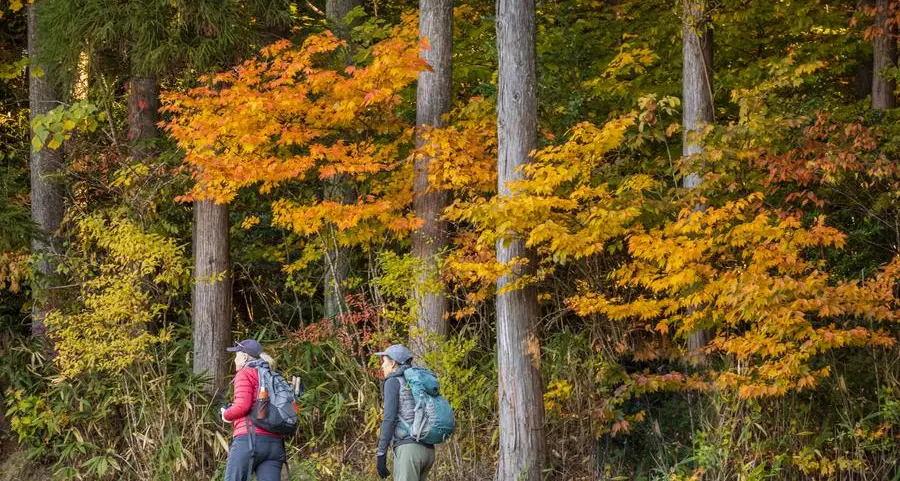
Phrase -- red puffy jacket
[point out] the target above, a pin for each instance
(246, 385)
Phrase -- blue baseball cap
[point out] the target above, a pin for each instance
(397, 352)
(249, 346)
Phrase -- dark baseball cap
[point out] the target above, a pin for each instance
(249, 346)
(397, 352)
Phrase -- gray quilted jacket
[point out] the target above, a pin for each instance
(399, 407)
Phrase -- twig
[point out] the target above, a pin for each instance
(112, 127)
(314, 8)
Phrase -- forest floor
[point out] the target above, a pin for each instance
(15, 465)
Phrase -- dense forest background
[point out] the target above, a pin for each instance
(636, 239)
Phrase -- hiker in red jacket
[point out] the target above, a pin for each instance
(252, 448)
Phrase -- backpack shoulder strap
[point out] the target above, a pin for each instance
(261, 368)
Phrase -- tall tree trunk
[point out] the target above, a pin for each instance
(336, 10)
(143, 114)
(143, 106)
(337, 262)
(518, 346)
(885, 56)
(47, 190)
(432, 102)
(697, 50)
(211, 306)
(697, 99)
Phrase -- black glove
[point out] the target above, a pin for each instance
(382, 467)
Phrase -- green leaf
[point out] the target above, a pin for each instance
(41, 132)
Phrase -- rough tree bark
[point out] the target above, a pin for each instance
(518, 347)
(697, 104)
(143, 108)
(885, 56)
(336, 10)
(337, 262)
(432, 102)
(211, 296)
(47, 190)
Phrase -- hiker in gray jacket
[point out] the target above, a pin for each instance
(412, 460)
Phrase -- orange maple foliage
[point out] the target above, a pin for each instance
(829, 151)
(751, 276)
(286, 116)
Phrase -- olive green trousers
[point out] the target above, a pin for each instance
(412, 462)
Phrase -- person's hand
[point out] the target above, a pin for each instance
(382, 467)
(222, 414)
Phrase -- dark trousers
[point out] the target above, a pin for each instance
(267, 459)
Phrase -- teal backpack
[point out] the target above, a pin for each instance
(433, 422)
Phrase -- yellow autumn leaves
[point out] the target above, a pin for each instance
(112, 328)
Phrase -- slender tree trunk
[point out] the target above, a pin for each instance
(432, 102)
(337, 257)
(518, 346)
(337, 262)
(47, 190)
(211, 313)
(885, 56)
(697, 50)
